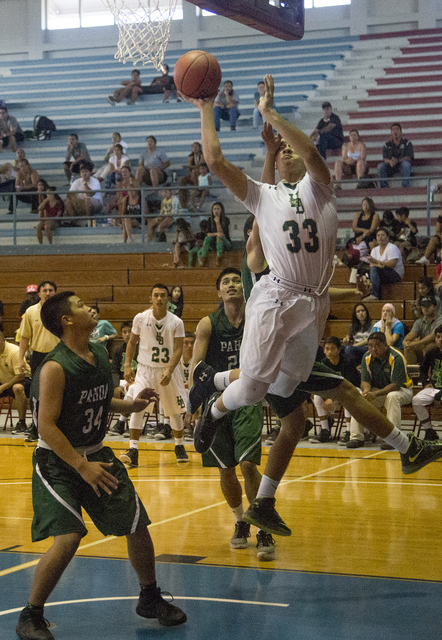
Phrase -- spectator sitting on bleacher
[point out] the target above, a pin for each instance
(328, 133)
(425, 287)
(164, 220)
(184, 241)
(397, 157)
(161, 84)
(386, 264)
(356, 340)
(431, 379)
(116, 162)
(194, 160)
(407, 233)
(257, 117)
(129, 204)
(104, 331)
(325, 407)
(130, 89)
(217, 237)
(199, 241)
(421, 336)
(78, 151)
(226, 106)
(84, 197)
(50, 210)
(384, 379)
(365, 225)
(353, 161)
(434, 244)
(176, 302)
(10, 131)
(104, 170)
(391, 327)
(14, 383)
(26, 180)
(7, 178)
(204, 182)
(390, 225)
(152, 164)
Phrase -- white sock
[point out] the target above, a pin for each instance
(221, 380)
(324, 424)
(179, 440)
(426, 425)
(238, 512)
(133, 444)
(267, 487)
(216, 413)
(398, 440)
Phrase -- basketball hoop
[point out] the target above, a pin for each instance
(144, 29)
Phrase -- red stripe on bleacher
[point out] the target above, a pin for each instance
(425, 111)
(363, 104)
(402, 90)
(423, 68)
(409, 79)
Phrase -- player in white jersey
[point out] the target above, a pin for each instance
(160, 335)
(288, 308)
(186, 359)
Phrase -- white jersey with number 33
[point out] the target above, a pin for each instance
(298, 226)
(156, 337)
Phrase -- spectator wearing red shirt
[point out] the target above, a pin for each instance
(49, 211)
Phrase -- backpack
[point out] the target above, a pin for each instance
(43, 128)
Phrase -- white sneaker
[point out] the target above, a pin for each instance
(422, 260)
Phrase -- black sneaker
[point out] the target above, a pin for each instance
(239, 538)
(188, 435)
(130, 457)
(180, 452)
(164, 432)
(431, 434)
(154, 606)
(344, 439)
(419, 454)
(20, 428)
(117, 429)
(33, 626)
(202, 388)
(206, 427)
(262, 514)
(265, 545)
(31, 433)
(274, 433)
(323, 436)
(354, 443)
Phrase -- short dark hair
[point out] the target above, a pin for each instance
(43, 282)
(225, 272)
(94, 306)
(384, 230)
(166, 66)
(119, 146)
(134, 71)
(225, 82)
(159, 285)
(248, 225)
(403, 211)
(189, 334)
(261, 82)
(126, 323)
(53, 310)
(437, 329)
(395, 124)
(333, 340)
(153, 138)
(117, 133)
(326, 104)
(73, 135)
(379, 336)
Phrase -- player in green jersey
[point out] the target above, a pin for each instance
(71, 395)
(218, 343)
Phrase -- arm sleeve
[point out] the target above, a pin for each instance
(109, 328)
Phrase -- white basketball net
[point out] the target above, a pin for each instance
(144, 29)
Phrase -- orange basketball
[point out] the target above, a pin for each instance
(197, 74)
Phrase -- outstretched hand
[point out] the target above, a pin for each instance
(143, 399)
(271, 141)
(364, 286)
(199, 103)
(266, 101)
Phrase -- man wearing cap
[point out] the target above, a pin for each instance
(32, 297)
(328, 132)
(14, 383)
(421, 337)
(384, 378)
(35, 337)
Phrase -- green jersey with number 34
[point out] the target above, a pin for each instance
(87, 394)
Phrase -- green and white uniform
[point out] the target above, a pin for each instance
(240, 438)
(322, 378)
(58, 491)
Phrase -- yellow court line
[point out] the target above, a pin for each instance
(32, 563)
(230, 601)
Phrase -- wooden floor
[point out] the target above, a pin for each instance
(361, 532)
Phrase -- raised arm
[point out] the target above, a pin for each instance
(272, 144)
(301, 143)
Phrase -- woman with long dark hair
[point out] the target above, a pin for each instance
(357, 338)
(365, 224)
(176, 303)
(218, 237)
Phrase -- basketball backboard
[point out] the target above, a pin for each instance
(284, 19)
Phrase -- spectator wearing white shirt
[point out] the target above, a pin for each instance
(386, 264)
(152, 164)
(84, 197)
(104, 170)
